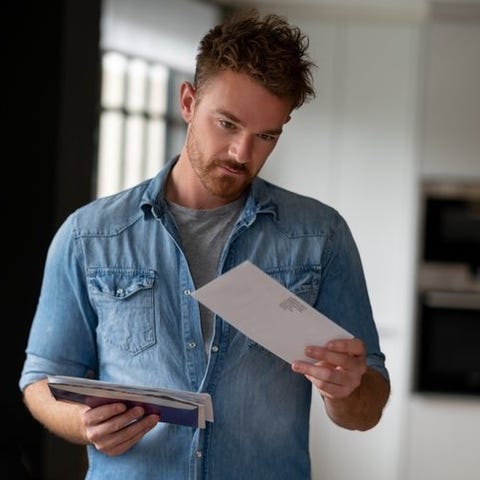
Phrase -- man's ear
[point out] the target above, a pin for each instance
(187, 100)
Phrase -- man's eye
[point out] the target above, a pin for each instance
(226, 124)
(266, 137)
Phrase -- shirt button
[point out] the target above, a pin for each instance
(120, 292)
(192, 344)
(215, 348)
(187, 292)
(198, 454)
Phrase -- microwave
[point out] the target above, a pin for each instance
(451, 224)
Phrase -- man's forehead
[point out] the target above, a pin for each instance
(243, 100)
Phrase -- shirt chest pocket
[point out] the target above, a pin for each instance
(302, 281)
(123, 299)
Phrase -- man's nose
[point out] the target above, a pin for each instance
(240, 148)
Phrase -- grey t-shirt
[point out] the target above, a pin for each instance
(203, 234)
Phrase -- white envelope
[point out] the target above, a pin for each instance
(267, 312)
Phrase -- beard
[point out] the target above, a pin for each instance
(211, 174)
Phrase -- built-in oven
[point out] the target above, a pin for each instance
(448, 343)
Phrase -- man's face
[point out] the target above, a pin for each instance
(234, 124)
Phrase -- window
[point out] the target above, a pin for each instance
(140, 122)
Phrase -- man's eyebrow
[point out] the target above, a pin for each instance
(229, 115)
(233, 118)
(275, 132)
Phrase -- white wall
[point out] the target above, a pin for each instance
(164, 30)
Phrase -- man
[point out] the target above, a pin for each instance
(115, 302)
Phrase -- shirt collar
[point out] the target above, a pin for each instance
(258, 199)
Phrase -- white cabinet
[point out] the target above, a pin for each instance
(443, 438)
(451, 101)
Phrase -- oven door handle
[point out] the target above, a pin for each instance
(449, 299)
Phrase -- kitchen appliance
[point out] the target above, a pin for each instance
(447, 350)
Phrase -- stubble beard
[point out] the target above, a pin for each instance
(218, 184)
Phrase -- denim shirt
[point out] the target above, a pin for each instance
(115, 305)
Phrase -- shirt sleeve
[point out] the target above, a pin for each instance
(61, 339)
(343, 295)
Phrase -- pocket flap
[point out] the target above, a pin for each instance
(120, 282)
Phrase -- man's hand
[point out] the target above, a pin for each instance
(113, 428)
(354, 394)
(338, 367)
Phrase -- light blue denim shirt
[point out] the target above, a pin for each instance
(115, 304)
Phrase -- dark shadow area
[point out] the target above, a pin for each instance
(52, 116)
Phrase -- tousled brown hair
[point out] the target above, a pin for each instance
(268, 49)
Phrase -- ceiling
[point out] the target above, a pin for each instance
(347, 3)
(465, 9)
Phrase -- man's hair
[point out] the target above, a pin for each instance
(268, 49)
